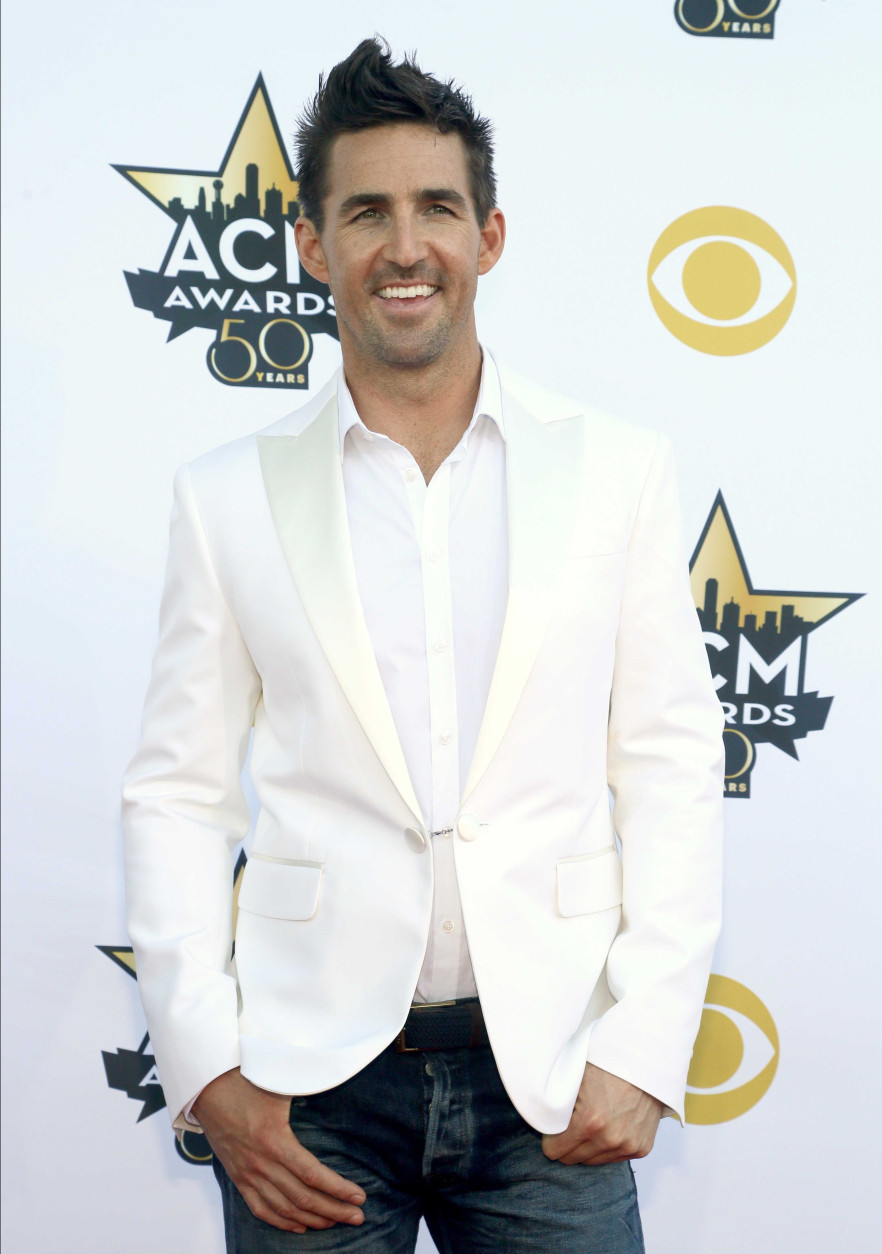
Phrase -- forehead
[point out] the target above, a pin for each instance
(396, 160)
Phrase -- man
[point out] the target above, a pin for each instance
(454, 607)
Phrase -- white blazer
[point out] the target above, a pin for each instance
(601, 686)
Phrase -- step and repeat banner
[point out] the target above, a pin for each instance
(693, 210)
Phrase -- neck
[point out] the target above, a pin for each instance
(427, 408)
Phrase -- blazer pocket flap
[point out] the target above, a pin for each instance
(588, 884)
(281, 890)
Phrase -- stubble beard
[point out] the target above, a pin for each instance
(407, 349)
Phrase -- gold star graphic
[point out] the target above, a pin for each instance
(719, 576)
(256, 144)
(122, 955)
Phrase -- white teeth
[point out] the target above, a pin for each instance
(406, 293)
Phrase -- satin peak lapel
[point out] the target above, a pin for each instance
(543, 471)
(304, 484)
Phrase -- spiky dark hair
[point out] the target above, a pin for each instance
(367, 90)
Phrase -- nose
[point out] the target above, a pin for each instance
(405, 244)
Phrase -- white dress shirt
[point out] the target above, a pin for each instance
(431, 562)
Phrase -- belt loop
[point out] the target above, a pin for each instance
(479, 1032)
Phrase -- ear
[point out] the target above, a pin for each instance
(310, 251)
(492, 241)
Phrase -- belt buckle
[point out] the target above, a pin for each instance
(400, 1047)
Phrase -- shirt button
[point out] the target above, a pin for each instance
(448, 925)
(432, 555)
(410, 475)
(440, 646)
(445, 738)
(368, 435)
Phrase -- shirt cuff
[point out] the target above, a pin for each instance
(187, 1115)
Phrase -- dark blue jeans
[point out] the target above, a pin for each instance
(436, 1134)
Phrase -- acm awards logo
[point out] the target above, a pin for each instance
(231, 266)
(757, 642)
(722, 280)
(751, 19)
(133, 1071)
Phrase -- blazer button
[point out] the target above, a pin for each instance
(415, 839)
(468, 827)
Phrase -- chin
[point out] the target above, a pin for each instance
(410, 361)
(409, 352)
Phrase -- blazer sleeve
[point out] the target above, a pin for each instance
(665, 772)
(184, 811)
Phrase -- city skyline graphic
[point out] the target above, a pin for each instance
(718, 557)
(245, 204)
(257, 143)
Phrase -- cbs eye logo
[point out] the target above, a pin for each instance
(721, 280)
(735, 1056)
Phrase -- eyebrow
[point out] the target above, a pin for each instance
(361, 200)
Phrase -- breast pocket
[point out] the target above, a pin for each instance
(589, 883)
(281, 890)
(585, 561)
(600, 568)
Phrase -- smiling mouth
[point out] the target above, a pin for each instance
(410, 292)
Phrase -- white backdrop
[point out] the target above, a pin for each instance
(612, 122)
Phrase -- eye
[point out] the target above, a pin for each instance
(366, 215)
(439, 209)
(735, 1056)
(722, 280)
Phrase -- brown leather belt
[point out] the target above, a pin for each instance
(443, 1025)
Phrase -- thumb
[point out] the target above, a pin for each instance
(555, 1145)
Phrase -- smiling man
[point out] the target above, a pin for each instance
(453, 606)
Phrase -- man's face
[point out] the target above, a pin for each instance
(401, 246)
